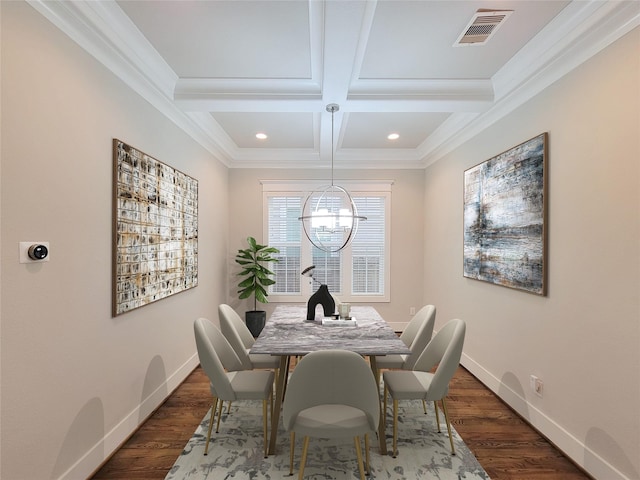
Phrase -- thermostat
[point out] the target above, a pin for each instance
(37, 251)
(34, 252)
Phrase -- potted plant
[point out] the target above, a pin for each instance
(256, 277)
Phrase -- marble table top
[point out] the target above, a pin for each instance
(288, 333)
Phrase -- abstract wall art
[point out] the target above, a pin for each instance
(505, 210)
(155, 229)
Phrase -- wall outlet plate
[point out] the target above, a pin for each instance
(536, 385)
(24, 252)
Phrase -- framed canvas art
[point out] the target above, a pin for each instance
(155, 230)
(505, 210)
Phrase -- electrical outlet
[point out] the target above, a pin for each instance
(412, 310)
(536, 385)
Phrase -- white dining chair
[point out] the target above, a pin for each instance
(331, 394)
(444, 350)
(216, 357)
(416, 336)
(240, 338)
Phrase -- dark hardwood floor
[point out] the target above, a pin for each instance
(504, 444)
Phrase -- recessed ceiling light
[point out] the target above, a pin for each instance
(261, 136)
(393, 136)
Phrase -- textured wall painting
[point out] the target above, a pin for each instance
(504, 218)
(155, 230)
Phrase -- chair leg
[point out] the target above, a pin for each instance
(264, 427)
(435, 406)
(424, 406)
(291, 448)
(303, 459)
(271, 404)
(359, 457)
(213, 411)
(366, 453)
(446, 418)
(219, 416)
(394, 452)
(385, 393)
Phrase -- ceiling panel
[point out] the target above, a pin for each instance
(284, 130)
(224, 70)
(227, 39)
(410, 39)
(370, 130)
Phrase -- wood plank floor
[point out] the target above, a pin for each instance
(504, 444)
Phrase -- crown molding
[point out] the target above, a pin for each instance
(106, 33)
(580, 31)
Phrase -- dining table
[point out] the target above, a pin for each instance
(288, 334)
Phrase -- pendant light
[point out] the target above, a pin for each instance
(333, 219)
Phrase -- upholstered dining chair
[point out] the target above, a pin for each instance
(444, 350)
(240, 338)
(331, 394)
(416, 336)
(218, 360)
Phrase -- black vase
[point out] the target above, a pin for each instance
(324, 298)
(255, 320)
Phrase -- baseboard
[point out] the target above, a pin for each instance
(113, 440)
(567, 443)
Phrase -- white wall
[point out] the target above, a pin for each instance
(407, 225)
(76, 381)
(583, 338)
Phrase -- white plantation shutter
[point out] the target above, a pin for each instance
(328, 270)
(368, 248)
(357, 273)
(285, 234)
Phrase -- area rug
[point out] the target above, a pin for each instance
(237, 451)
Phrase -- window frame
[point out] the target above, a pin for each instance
(360, 188)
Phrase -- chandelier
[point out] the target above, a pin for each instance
(333, 218)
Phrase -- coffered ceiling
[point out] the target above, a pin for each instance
(226, 70)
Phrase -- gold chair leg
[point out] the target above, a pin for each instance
(264, 427)
(385, 392)
(435, 406)
(366, 453)
(213, 411)
(359, 457)
(229, 408)
(303, 459)
(219, 416)
(424, 406)
(271, 404)
(446, 418)
(291, 448)
(394, 452)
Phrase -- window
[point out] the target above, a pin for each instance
(357, 273)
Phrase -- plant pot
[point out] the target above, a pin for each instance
(255, 320)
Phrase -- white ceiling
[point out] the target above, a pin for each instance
(225, 70)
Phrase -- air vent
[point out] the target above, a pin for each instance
(482, 27)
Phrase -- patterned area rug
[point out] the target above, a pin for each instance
(237, 451)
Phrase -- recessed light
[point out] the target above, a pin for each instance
(261, 136)
(393, 136)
